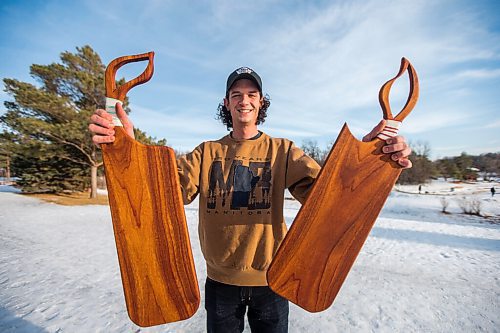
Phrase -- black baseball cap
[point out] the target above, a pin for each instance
(243, 73)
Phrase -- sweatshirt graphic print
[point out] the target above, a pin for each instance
(248, 186)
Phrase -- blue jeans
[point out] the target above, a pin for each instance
(226, 306)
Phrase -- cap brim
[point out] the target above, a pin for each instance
(241, 77)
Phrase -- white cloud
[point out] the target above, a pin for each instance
(494, 124)
(435, 120)
(183, 130)
(456, 150)
(286, 133)
(479, 74)
(336, 58)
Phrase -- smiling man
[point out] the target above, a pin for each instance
(241, 179)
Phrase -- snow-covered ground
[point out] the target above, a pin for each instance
(419, 271)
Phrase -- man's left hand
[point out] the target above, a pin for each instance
(396, 146)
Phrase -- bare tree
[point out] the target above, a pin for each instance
(311, 148)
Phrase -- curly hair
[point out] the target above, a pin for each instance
(224, 115)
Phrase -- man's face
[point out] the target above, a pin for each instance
(244, 102)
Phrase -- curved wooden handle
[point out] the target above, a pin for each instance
(383, 95)
(121, 91)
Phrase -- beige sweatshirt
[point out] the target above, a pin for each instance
(241, 185)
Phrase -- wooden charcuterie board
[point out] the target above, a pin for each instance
(331, 227)
(149, 223)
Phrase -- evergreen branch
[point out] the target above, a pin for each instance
(74, 160)
(80, 148)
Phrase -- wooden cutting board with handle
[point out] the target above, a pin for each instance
(331, 227)
(152, 240)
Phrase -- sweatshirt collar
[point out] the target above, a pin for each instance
(258, 135)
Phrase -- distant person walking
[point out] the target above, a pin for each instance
(419, 189)
(492, 191)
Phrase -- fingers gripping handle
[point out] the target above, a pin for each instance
(393, 123)
(116, 94)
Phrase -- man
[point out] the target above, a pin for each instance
(241, 179)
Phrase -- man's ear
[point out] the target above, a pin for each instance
(226, 102)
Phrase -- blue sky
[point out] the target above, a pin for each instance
(322, 62)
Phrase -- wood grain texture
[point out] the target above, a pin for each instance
(329, 230)
(151, 234)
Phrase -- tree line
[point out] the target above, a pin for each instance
(463, 167)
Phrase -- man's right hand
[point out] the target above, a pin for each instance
(101, 125)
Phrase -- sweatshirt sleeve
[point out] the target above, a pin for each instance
(302, 170)
(188, 167)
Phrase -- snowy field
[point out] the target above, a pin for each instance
(419, 271)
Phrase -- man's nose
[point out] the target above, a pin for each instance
(244, 99)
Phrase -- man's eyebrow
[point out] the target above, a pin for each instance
(239, 92)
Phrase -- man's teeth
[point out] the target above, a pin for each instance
(244, 111)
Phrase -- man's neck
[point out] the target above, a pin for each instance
(245, 133)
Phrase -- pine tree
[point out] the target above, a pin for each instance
(447, 168)
(464, 164)
(50, 145)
